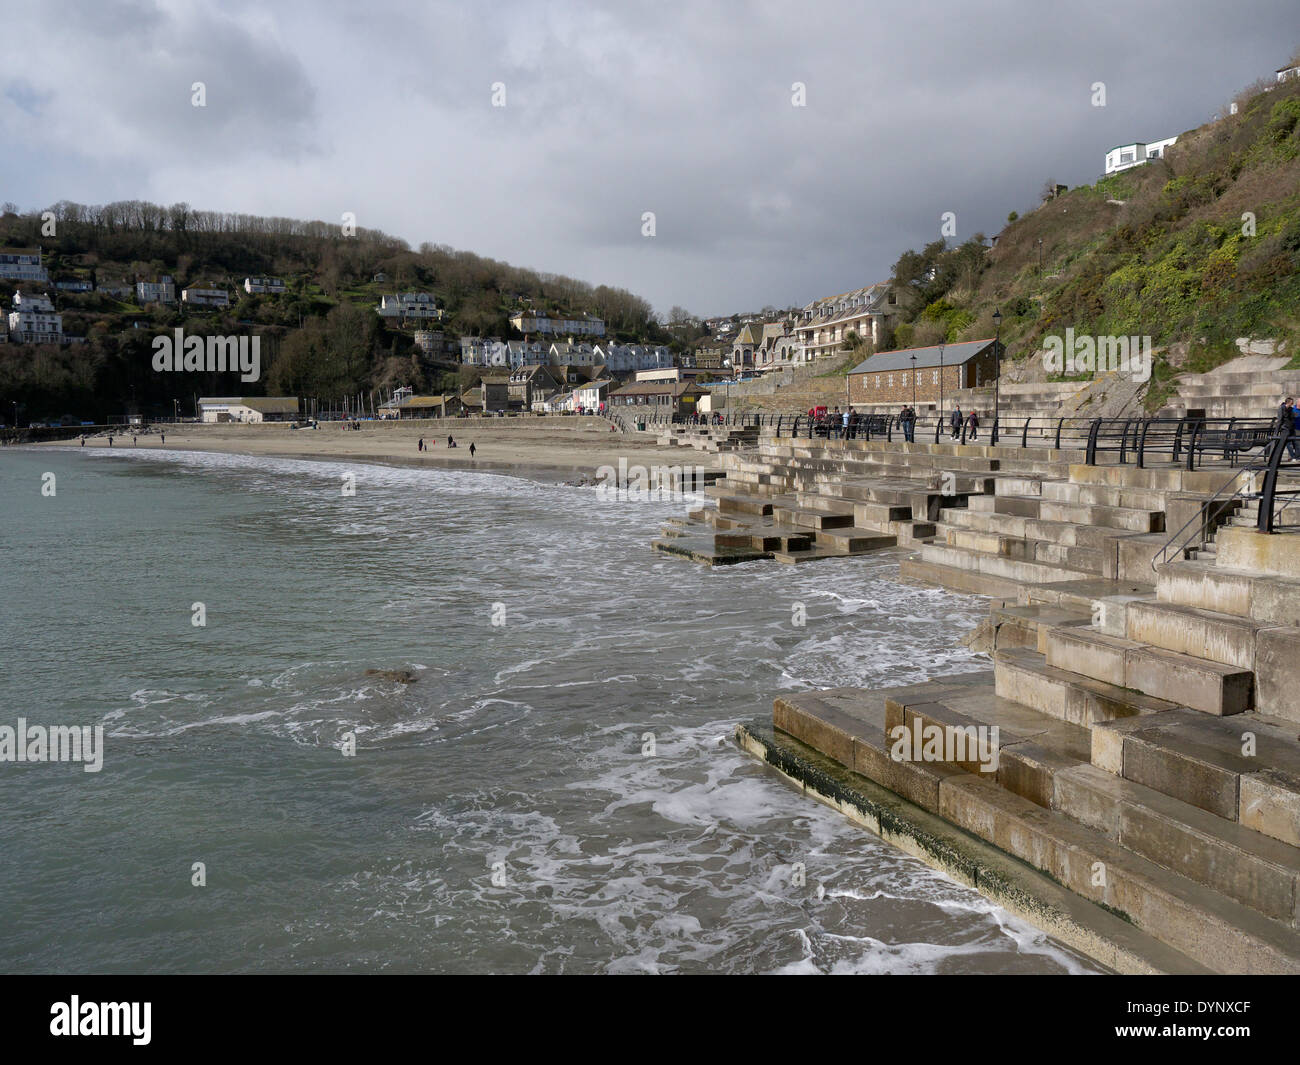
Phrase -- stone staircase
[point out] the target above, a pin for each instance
(1139, 742)
(797, 501)
(710, 438)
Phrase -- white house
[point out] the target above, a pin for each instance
(160, 291)
(1126, 156)
(526, 353)
(407, 305)
(591, 396)
(33, 321)
(205, 297)
(248, 409)
(567, 353)
(548, 325)
(22, 264)
(1284, 73)
(629, 358)
(273, 286)
(484, 351)
(27, 301)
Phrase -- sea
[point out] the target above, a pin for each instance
(555, 790)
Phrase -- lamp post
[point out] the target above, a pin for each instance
(940, 384)
(997, 370)
(913, 380)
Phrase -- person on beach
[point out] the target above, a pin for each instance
(420, 444)
(110, 441)
(83, 441)
(135, 442)
(451, 441)
(471, 449)
(163, 439)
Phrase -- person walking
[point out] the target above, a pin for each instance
(909, 424)
(419, 446)
(955, 422)
(163, 438)
(844, 424)
(471, 449)
(973, 424)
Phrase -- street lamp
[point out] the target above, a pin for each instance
(997, 370)
(936, 439)
(913, 380)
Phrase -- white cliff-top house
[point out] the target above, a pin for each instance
(1127, 156)
(272, 285)
(160, 291)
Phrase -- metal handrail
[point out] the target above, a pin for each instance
(1200, 519)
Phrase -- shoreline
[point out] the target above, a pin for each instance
(548, 454)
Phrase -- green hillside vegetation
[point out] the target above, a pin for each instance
(1164, 250)
(322, 338)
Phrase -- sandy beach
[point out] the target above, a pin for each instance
(557, 449)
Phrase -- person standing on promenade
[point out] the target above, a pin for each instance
(973, 422)
(955, 421)
(1289, 418)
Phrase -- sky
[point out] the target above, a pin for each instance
(543, 133)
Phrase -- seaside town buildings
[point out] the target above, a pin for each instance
(547, 325)
(824, 325)
(22, 264)
(272, 286)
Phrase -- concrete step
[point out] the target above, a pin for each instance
(1206, 585)
(1048, 762)
(1141, 521)
(1188, 630)
(1028, 625)
(853, 540)
(1244, 768)
(814, 519)
(997, 565)
(1171, 676)
(1210, 928)
(1256, 870)
(1024, 676)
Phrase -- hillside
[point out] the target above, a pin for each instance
(1194, 249)
(320, 338)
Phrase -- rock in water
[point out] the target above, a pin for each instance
(401, 676)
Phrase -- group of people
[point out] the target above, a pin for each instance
(451, 442)
(971, 421)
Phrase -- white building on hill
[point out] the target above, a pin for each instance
(1126, 156)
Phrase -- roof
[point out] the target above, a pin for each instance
(947, 354)
(263, 404)
(658, 388)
